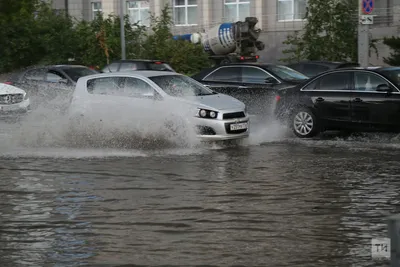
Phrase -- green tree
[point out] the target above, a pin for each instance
(330, 32)
(185, 57)
(394, 56)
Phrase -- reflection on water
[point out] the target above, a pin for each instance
(278, 204)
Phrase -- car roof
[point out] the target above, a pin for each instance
(322, 62)
(143, 73)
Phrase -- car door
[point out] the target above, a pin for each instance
(225, 80)
(257, 90)
(330, 96)
(371, 108)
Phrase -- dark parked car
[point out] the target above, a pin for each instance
(137, 64)
(313, 68)
(55, 75)
(255, 84)
(358, 99)
(48, 82)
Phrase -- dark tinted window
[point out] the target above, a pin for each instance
(35, 75)
(312, 70)
(312, 86)
(76, 73)
(334, 81)
(296, 67)
(225, 74)
(254, 75)
(364, 81)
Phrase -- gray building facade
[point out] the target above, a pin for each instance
(277, 18)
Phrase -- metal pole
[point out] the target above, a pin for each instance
(123, 49)
(363, 38)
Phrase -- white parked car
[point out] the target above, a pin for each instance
(13, 100)
(151, 100)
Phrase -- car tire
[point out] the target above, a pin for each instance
(304, 123)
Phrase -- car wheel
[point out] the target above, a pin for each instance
(304, 123)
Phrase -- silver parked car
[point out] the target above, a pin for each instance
(156, 98)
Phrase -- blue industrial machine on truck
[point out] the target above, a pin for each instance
(229, 42)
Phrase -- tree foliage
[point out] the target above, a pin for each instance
(31, 32)
(394, 56)
(330, 32)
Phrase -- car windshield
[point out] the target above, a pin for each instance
(286, 73)
(180, 86)
(76, 73)
(393, 74)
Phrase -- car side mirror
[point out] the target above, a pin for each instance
(383, 88)
(270, 80)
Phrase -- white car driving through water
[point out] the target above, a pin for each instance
(13, 100)
(151, 100)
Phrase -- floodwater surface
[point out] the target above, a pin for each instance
(273, 201)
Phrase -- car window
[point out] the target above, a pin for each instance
(225, 74)
(334, 81)
(312, 70)
(35, 75)
(296, 67)
(104, 86)
(74, 73)
(312, 86)
(53, 77)
(113, 67)
(127, 66)
(134, 87)
(254, 75)
(364, 81)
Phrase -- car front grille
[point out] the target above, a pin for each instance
(233, 115)
(11, 99)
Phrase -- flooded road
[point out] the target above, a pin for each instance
(276, 201)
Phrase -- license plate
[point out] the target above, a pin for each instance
(238, 126)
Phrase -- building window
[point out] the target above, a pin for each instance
(236, 10)
(96, 9)
(291, 9)
(185, 12)
(139, 12)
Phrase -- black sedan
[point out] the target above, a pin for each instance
(344, 99)
(255, 84)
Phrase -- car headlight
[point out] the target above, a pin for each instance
(207, 114)
(26, 97)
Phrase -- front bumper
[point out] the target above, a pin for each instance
(220, 130)
(15, 109)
